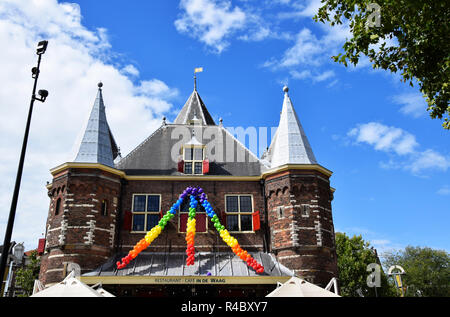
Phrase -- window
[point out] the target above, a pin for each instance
(104, 208)
(193, 159)
(201, 224)
(305, 210)
(58, 206)
(146, 211)
(239, 209)
(280, 212)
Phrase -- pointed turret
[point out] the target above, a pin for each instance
(290, 144)
(194, 110)
(98, 144)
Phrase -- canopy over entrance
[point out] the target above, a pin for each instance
(171, 268)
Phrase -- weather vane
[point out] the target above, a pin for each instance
(196, 70)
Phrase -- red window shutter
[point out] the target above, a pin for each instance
(205, 166)
(183, 222)
(200, 222)
(256, 221)
(181, 166)
(41, 246)
(127, 220)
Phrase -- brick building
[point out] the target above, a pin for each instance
(278, 207)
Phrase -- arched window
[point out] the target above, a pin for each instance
(104, 208)
(58, 206)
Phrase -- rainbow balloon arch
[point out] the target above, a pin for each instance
(196, 196)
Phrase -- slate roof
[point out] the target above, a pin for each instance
(98, 144)
(160, 152)
(194, 106)
(290, 144)
(174, 264)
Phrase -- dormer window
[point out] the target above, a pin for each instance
(193, 159)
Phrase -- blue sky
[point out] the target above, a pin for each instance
(391, 162)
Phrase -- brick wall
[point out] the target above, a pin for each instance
(78, 232)
(301, 224)
(216, 191)
(302, 238)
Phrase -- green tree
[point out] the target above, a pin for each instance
(25, 276)
(427, 271)
(354, 255)
(419, 31)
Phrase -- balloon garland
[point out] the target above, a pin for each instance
(194, 193)
(190, 231)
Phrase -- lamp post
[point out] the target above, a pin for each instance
(16, 259)
(42, 46)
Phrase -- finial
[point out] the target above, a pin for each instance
(100, 85)
(195, 82)
(164, 121)
(285, 88)
(221, 120)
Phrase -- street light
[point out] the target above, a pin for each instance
(41, 48)
(16, 259)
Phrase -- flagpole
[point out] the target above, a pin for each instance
(195, 81)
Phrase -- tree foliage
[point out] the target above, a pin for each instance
(354, 255)
(25, 276)
(413, 38)
(427, 271)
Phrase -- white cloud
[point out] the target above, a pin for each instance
(75, 61)
(315, 77)
(304, 51)
(130, 70)
(413, 104)
(428, 159)
(212, 22)
(307, 57)
(444, 190)
(216, 22)
(384, 138)
(403, 144)
(301, 9)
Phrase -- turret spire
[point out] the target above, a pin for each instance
(98, 144)
(290, 144)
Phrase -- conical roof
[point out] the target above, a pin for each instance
(194, 109)
(290, 144)
(98, 144)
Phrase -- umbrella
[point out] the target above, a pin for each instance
(69, 287)
(296, 287)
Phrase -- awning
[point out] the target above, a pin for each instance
(171, 268)
(297, 287)
(71, 287)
